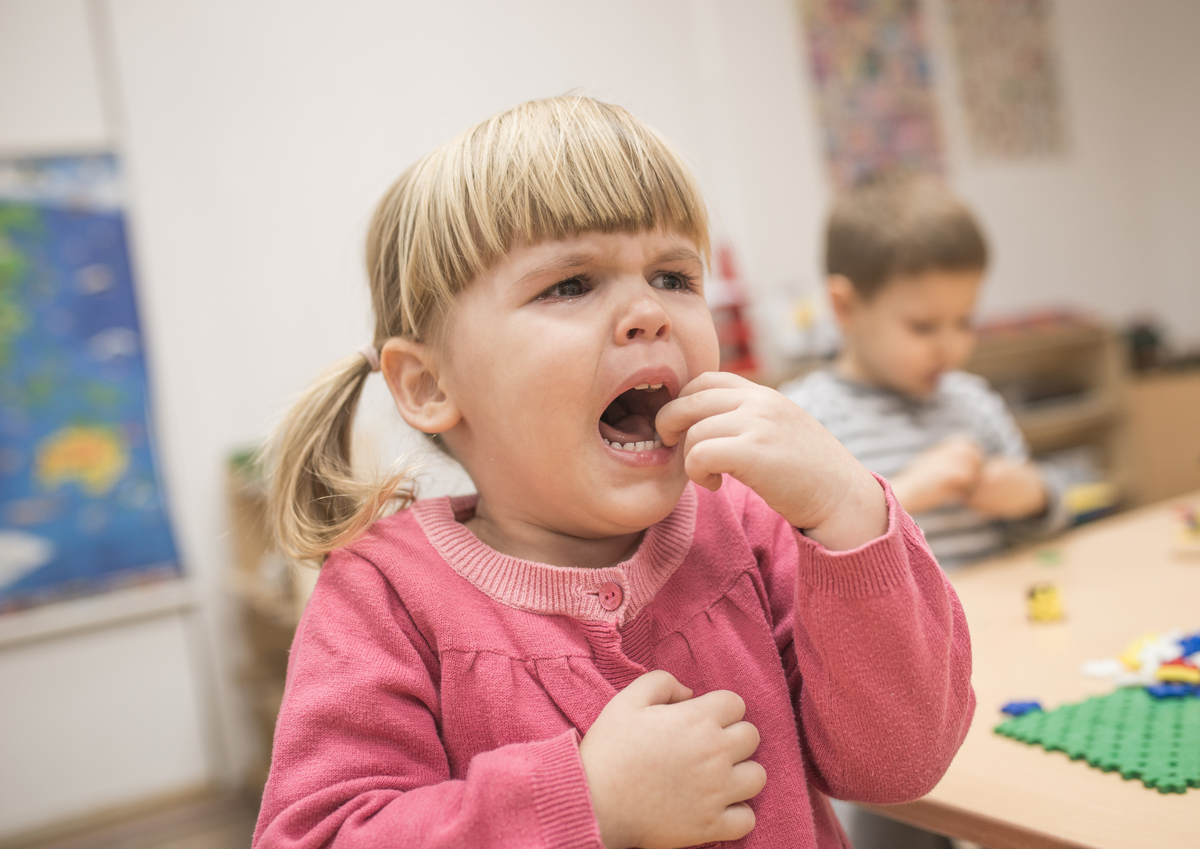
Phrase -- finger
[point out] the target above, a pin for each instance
(655, 688)
(746, 781)
(712, 458)
(734, 422)
(725, 706)
(714, 380)
(678, 415)
(735, 822)
(743, 740)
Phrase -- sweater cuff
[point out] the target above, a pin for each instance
(872, 568)
(564, 804)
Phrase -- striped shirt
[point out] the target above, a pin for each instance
(886, 431)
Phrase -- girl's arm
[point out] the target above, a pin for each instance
(875, 643)
(358, 761)
(876, 651)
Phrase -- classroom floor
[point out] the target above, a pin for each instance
(216, 822)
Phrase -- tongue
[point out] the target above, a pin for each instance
(634, 427)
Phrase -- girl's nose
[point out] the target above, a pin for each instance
(644, 318)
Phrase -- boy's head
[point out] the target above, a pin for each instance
(905, 258)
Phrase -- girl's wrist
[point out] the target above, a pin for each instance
(860, 516)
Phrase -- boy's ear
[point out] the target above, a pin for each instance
(410, 371)
(843, 297)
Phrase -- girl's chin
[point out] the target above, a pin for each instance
(640, 505)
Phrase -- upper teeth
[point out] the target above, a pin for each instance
(649, 387)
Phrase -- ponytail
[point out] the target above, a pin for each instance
(315, 503)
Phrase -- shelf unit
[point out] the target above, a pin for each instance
(1066, 383)
(270, 593)
(1164, 413)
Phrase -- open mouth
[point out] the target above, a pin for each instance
(627, 424)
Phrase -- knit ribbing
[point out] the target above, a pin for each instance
(559, 590)
(564, 805)
(872, 568)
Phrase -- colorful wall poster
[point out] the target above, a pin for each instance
(874, 93)
(81, 502)
(1008, 77)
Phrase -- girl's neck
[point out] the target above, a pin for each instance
(528, 541)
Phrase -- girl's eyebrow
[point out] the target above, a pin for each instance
(576, 259)
(562, 263)
(680, 254)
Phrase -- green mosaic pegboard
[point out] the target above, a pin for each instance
(1128, 731)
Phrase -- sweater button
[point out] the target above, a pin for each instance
(611, 595)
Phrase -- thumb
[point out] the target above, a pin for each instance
(656, 688)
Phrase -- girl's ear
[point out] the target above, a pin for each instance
(844, 299)
(410, 372)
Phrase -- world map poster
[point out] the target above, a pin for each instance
(81, 502)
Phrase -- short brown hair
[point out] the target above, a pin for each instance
(899, 224)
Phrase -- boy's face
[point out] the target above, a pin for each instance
(542, 356)
(911, 331)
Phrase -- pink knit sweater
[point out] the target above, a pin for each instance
(438, 689)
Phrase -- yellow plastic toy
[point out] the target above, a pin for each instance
(1131, 658)
(1045, 603)
(1179, 673)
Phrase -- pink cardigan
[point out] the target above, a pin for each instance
(438, 689)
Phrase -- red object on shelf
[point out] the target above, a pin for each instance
(734, 334)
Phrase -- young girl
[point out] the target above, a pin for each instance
(593, 651)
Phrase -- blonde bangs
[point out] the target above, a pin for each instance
(546, 169)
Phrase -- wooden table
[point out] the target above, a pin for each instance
(1119, 578)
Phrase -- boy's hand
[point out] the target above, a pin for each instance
(730, 425)
(666, 770)
(1008, 489)
(949, 471)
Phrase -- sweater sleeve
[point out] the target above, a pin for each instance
(358, 760)
(875, 646)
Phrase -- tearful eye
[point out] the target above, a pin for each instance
(572, 288)
(671, 281)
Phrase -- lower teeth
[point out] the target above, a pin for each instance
(636, 446)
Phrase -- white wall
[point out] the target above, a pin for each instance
(111, 709)
(1113, 226)
(258, 135)
(97, 719)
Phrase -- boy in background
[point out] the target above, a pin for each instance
(905, 259)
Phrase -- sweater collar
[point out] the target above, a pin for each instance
(558, 590)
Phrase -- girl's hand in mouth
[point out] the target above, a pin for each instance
(730, 425)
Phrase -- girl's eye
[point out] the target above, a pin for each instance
(672, 281)
(575, 287)
(923, 328)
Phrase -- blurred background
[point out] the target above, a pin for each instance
(184, 189)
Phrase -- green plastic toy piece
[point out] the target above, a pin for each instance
(1128, 731)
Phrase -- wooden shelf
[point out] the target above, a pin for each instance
(1067, 387)
(1067, 424)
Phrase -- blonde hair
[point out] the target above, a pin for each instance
(900, 223)
(546, 169)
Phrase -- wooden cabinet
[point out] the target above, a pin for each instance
(1164, 426)
(270, 592)
(1065, 382)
